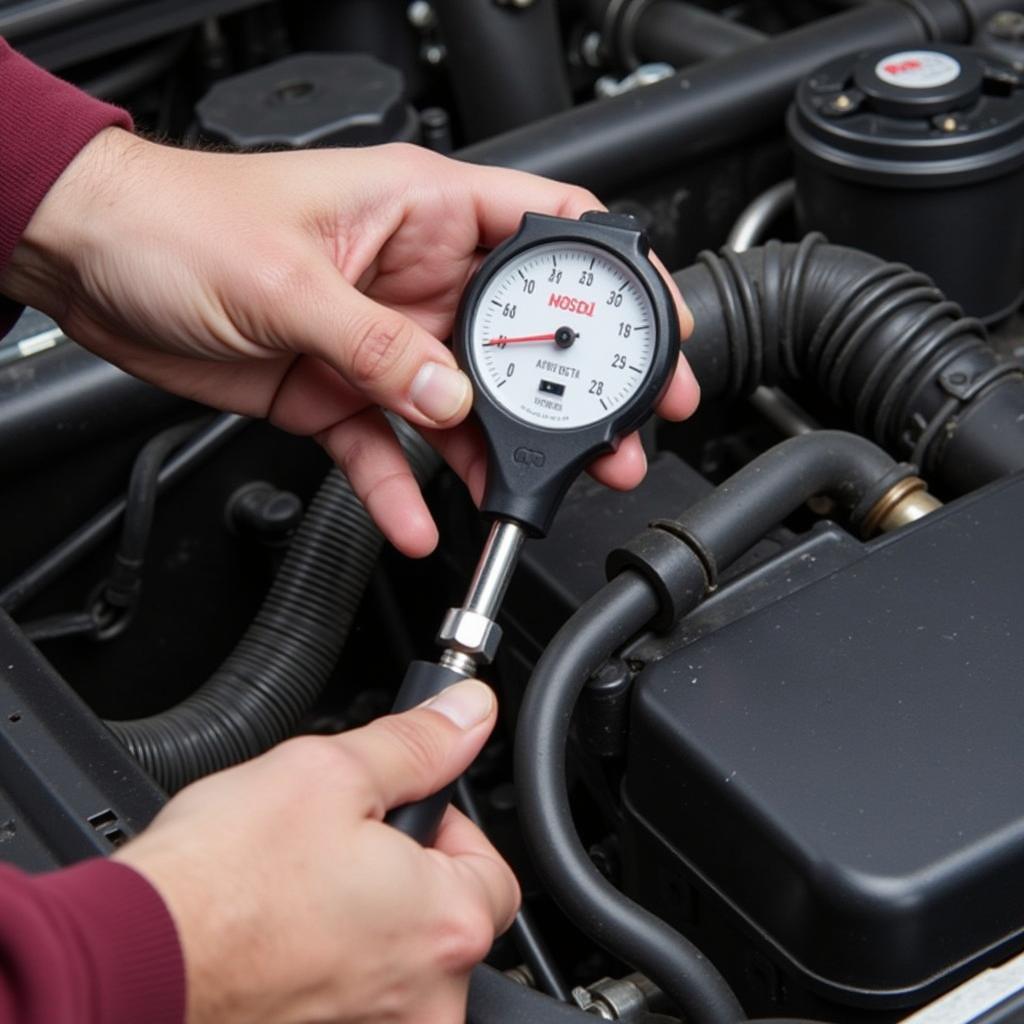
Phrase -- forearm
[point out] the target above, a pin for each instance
(92, 944)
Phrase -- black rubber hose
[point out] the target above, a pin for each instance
(739, 512)
(506, 63)
(682, 33)
(718, 103)
(496, 999)
(279, 667)
(90, 535)
(532, 948)
(704, 540)
(122, 588)
(602, 625)
(877, 339)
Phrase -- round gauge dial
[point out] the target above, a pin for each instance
(562, 335)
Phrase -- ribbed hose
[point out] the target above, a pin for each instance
(878, 339)
(280, 666)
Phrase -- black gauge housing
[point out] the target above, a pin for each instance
(530, 467)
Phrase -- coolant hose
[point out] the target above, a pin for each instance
(851, 470)
(877, 339)
(279, 667)
(602, 625)
(674, 563)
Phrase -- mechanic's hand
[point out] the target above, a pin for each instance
(310, 288)
(295, 903)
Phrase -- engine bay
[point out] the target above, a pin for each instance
(760, 716)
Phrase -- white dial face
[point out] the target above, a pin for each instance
(563, 335)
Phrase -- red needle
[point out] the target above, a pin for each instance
(516, 341)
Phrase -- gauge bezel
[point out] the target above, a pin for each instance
(476, 351)
(626, 245)
(530, 467)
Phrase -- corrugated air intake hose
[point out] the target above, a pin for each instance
(282, 663)
(878, 339)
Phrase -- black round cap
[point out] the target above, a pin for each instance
(932, 115)
(310, 99)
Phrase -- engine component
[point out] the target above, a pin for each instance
(844, 798)
(877, 339)
(626, 999)
(256, 698)
(69, 789)
(74, 547)
(66, 399)
(1002, 36)
(263, 512)
(505, 62)
(662, 574)
(918, 156)
(310, 99)
(718, 102)
(680, 33)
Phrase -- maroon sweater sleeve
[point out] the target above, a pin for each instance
(91, 944)
(44, 122)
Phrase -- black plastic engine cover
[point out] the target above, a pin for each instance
(842, 770)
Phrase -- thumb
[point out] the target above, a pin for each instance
(387, 357)
(407, 757)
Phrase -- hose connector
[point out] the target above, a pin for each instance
(904, 503)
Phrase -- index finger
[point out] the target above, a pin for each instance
(501, 197)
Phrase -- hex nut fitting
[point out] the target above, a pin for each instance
(470, 633)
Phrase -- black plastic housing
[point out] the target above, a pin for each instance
(68, 789)
(929, 175)
(836, 775)
(529, 468)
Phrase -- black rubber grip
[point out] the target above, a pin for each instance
(423, 680)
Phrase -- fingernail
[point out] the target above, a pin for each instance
(466, 704)
(438, 391)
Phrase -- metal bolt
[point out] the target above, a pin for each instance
(645, 74)
(590, 50)
(949, 124)
(1007, 25)
(421, 15)
(434, 53)
(842, 102)
(521, 975)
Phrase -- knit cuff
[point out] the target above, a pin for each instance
(129, 936)
(44, 123)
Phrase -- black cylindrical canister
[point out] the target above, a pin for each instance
(918, 156)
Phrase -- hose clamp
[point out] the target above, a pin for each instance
(962, 389)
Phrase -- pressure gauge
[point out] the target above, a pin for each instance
(570, 337)
(563, 335)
